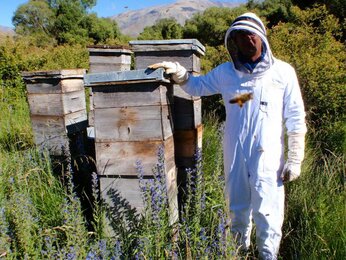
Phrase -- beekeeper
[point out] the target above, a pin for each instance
(262, 97)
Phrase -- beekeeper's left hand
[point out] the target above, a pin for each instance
(178, 72)
(295, 156)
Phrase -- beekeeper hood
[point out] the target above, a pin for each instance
(252, 23)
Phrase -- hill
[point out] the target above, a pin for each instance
(132, 23)
(6, 31)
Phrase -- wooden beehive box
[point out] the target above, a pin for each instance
(185, 51)
(57, 107)
(187, 109)
(132, 120)
(106, 58)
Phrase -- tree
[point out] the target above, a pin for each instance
(65, 21)
(33, 17)
(210, 26)
(164, 29)
(100, 29)
(310, 44)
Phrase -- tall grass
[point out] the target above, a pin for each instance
(42, 218)
(315, 225)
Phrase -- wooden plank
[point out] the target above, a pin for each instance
(112, 49)
(185, 143)
(187, 114)
(160, 45)
(125, 77)
(109, 59)
(139, 94)
(129, 189)
(119, 158)
(147, 123)
(55, 86)
(56, 104)
(52, 133)
(57, 124)
(31, 76)
(104, 67)
(187, 59)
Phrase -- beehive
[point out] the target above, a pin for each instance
(106, 58)
(132, 120)
(187, 109)
(57, 107)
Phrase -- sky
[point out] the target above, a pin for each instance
(103, 8)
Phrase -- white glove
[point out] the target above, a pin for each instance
(295, 156)
(178, 72)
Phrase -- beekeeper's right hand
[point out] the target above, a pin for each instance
(178, 72)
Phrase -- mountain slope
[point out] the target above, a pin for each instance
(132, 23)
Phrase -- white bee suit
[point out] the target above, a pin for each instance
(254, 142)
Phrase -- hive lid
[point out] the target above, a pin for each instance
(125, 77)
(56, 74)
(161, 45)
(109, 49)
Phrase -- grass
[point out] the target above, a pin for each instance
(41, 217)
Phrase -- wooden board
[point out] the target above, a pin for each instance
(129, 189)
(59, 124)
(57, 104)
(185, 144)
(146, 123)
(187, 114)
(51, 132)
(32, 76)
(119, 158)
(125, 77)
(103, 67)
(187, 59)
(138, 94)
(54, 86)
(163, 45)
(106, 62)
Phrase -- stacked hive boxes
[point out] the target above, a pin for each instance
(106, 58)
(57, 108)
(132, 120)
(187, 109)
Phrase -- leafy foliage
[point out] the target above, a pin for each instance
(310, 45)
(63, 22)
(167, 28)
(210, 26)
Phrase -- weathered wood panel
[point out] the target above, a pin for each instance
(125, 77)
(54, 86)
(119, 158)
(51, 132)
(188, 60)
(129, 189)
(186, 143)
(56, 104)
(145, 94)
(187, 113)
(147, 123)
(161, 45)
(102, 67)
(31, 77)
(185, 51)
(105, 58)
